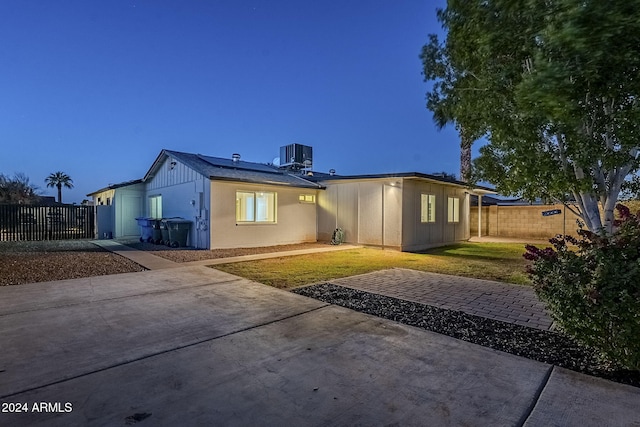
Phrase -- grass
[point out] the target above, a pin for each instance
(491, 261)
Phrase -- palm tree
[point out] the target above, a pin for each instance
(59, 179)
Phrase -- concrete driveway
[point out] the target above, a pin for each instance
(195, 346)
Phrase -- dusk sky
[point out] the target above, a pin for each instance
(97, 89)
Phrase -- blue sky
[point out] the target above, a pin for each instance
(97, 88)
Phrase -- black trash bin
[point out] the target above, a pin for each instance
(164, 232)
(178, 232)
(156, 231)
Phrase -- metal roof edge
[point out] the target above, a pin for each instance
(280, 184)
(116, 186)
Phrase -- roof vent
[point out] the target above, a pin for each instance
(235, 157)
(332, 172)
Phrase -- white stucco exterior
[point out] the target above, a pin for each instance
(295, 220)
(216, 195)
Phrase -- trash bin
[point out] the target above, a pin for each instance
(178, 232)
(146, 230)
(156, 231)
(164, 232)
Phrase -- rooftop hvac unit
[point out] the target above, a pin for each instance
(296, 156)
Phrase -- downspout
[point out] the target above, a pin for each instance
(382, 237)
(337, 190)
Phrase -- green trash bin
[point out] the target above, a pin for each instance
(178, 232)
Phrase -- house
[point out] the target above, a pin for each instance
(234, 203)
(117, 207)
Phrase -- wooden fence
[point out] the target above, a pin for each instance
(34, 222)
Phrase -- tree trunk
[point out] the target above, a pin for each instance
(59, 193)
(465, 156)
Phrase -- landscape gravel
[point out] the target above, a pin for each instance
(43, 261)
(544, 346)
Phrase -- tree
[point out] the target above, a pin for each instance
(17, 189)
(58, 180)
(553, 86)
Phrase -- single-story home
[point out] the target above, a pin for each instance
(233, 203)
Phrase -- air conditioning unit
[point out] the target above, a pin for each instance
(296, 156)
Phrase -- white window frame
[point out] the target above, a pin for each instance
(155, 206)
(307, 198)
(427, 208)
(251, 205)
(453, 209)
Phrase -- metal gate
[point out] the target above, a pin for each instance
(37, 222)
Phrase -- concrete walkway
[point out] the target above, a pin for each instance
(494, 300)
(196, 346)
(499, 301)
(154, 262)
(144, 258)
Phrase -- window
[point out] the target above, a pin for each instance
(307, 198)
(454, 209)
(255, 206)
(155, 207)
(427, 208)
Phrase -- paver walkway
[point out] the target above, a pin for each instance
(500, 301)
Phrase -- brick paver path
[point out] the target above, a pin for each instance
(494, 300)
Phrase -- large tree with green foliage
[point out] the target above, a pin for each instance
(553, 85)
(59, 180)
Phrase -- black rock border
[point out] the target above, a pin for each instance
(544, 346)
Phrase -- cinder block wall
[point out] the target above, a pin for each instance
(524, 221)
(473, 221)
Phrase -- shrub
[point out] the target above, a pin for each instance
(593, 289)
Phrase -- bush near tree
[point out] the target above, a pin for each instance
(593, 289)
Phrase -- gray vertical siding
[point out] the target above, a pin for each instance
(180, 188)
(417, 235)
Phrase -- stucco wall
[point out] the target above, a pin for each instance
(296, 221)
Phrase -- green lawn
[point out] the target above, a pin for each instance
(492, 261)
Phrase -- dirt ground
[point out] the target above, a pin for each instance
(43, 261)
